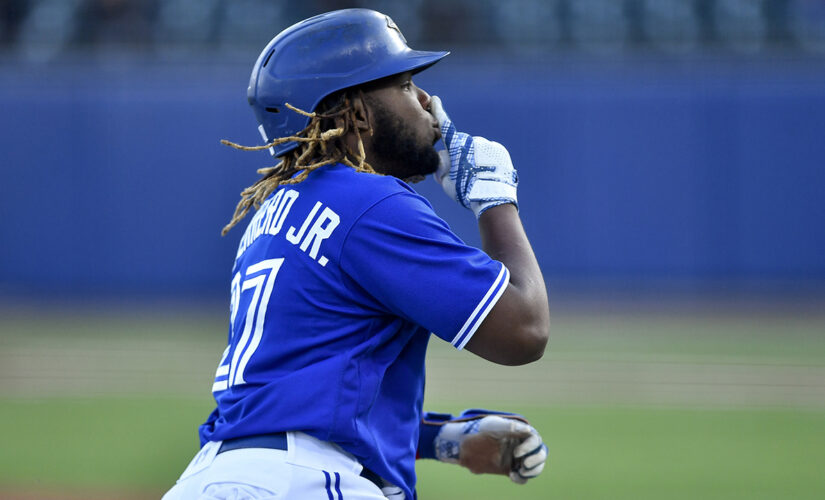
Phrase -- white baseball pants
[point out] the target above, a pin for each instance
(308, 469)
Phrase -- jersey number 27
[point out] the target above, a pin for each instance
(260, 278)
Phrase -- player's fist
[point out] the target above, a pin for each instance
(529, 458)
(493, 445)
(476, 172)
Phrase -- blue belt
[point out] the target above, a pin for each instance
(277, 441)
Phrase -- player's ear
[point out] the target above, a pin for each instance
(361, 112)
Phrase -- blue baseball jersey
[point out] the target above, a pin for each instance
(337, 284)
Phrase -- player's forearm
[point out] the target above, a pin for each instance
(523, 332)
(503, 238)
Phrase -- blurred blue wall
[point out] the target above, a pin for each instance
(635, 172)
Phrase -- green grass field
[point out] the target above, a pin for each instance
(648, 404)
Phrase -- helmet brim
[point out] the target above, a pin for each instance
(414, 61)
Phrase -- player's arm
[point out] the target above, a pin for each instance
(480, 175)
(517, 328)
(485, 442)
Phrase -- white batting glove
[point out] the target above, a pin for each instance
(476, 172)
(493, 444)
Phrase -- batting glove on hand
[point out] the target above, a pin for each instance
(476, 172)
(493, 445)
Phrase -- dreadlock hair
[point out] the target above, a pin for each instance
(320, 143)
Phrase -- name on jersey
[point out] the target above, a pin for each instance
(269, 219)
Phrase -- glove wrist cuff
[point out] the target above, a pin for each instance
(447, 442)
(479, 208)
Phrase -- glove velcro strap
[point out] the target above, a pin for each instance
(490, 190)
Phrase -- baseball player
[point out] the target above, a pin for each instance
(344, 272)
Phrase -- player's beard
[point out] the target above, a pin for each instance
(397, 150)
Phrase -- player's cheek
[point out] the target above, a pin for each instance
(424, 122)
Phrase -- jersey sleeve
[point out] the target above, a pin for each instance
(410, 262)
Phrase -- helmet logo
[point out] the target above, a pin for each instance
(391, 25)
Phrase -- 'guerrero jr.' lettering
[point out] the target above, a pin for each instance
(269, 219)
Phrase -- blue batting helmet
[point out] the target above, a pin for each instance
(323, 54)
